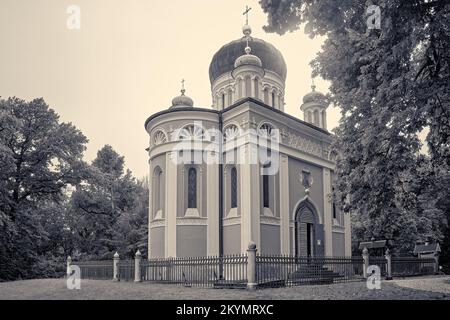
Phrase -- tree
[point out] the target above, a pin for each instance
(108, 209)
(391, 84)
(39, 158)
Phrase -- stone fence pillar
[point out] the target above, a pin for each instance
(436, 263)
(365, 255)
(137, 266)
(388, 264)
(251, 266)
(69, 262)
(116, 260)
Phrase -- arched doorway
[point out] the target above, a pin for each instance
(305, 230)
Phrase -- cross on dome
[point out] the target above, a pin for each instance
(247, 10)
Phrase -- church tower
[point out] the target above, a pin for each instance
(314, 108)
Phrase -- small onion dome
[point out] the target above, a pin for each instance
(314, 96)
(248, 59)
(182, 101)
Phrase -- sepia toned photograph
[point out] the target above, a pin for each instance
(225, 155)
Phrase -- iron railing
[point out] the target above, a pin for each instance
(230, 270)
(412, 266)
(126, 270)
(286, 270)
(96, 270)
(381, 262)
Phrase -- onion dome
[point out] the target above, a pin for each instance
(314, 96)
(182, 100)
(270, 57)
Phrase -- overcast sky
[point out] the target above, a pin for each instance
(127, 60)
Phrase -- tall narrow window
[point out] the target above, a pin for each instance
(233, 187)
(266, 191)
(192, 188)
(248, 87)
(273, 99)
(316, 117)
(158, 191)
(266, 96)
(324, 119)
(256, 84)
(239, 84)
(230, 97)
(223, 100)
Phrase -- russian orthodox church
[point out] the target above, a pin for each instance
(211, 203)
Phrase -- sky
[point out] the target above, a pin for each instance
(127, 60)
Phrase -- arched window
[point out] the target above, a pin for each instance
(231, 132)
(266, 96)
(234, 192)
(273, 99)
(256, 84)
(192, 132)
(239, 84)
(223, 100)
(266, 188)
(248, 87)
(266, 191)
(158, 191)
(324, 119)
(192, 188)
(159, 137)
(230, 98)
(309, 118)
(316, 117)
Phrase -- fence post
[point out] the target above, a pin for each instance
(137, 266)
(388, 264)
(365, 255)
(116, 260)
(251, 266)
(69, 262)
(436, 263)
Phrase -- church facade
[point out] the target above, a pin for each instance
(244, 170)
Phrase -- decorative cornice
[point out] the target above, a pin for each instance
(302, 143)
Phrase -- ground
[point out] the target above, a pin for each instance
(53, 289)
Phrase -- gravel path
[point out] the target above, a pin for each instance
(433, 284)
(55, 289)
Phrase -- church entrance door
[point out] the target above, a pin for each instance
(304, 233)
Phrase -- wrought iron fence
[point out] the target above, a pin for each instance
(126, 270)
(381, 262)
(285, 270)
(412, 266)
(226, 271)
(96, 270)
